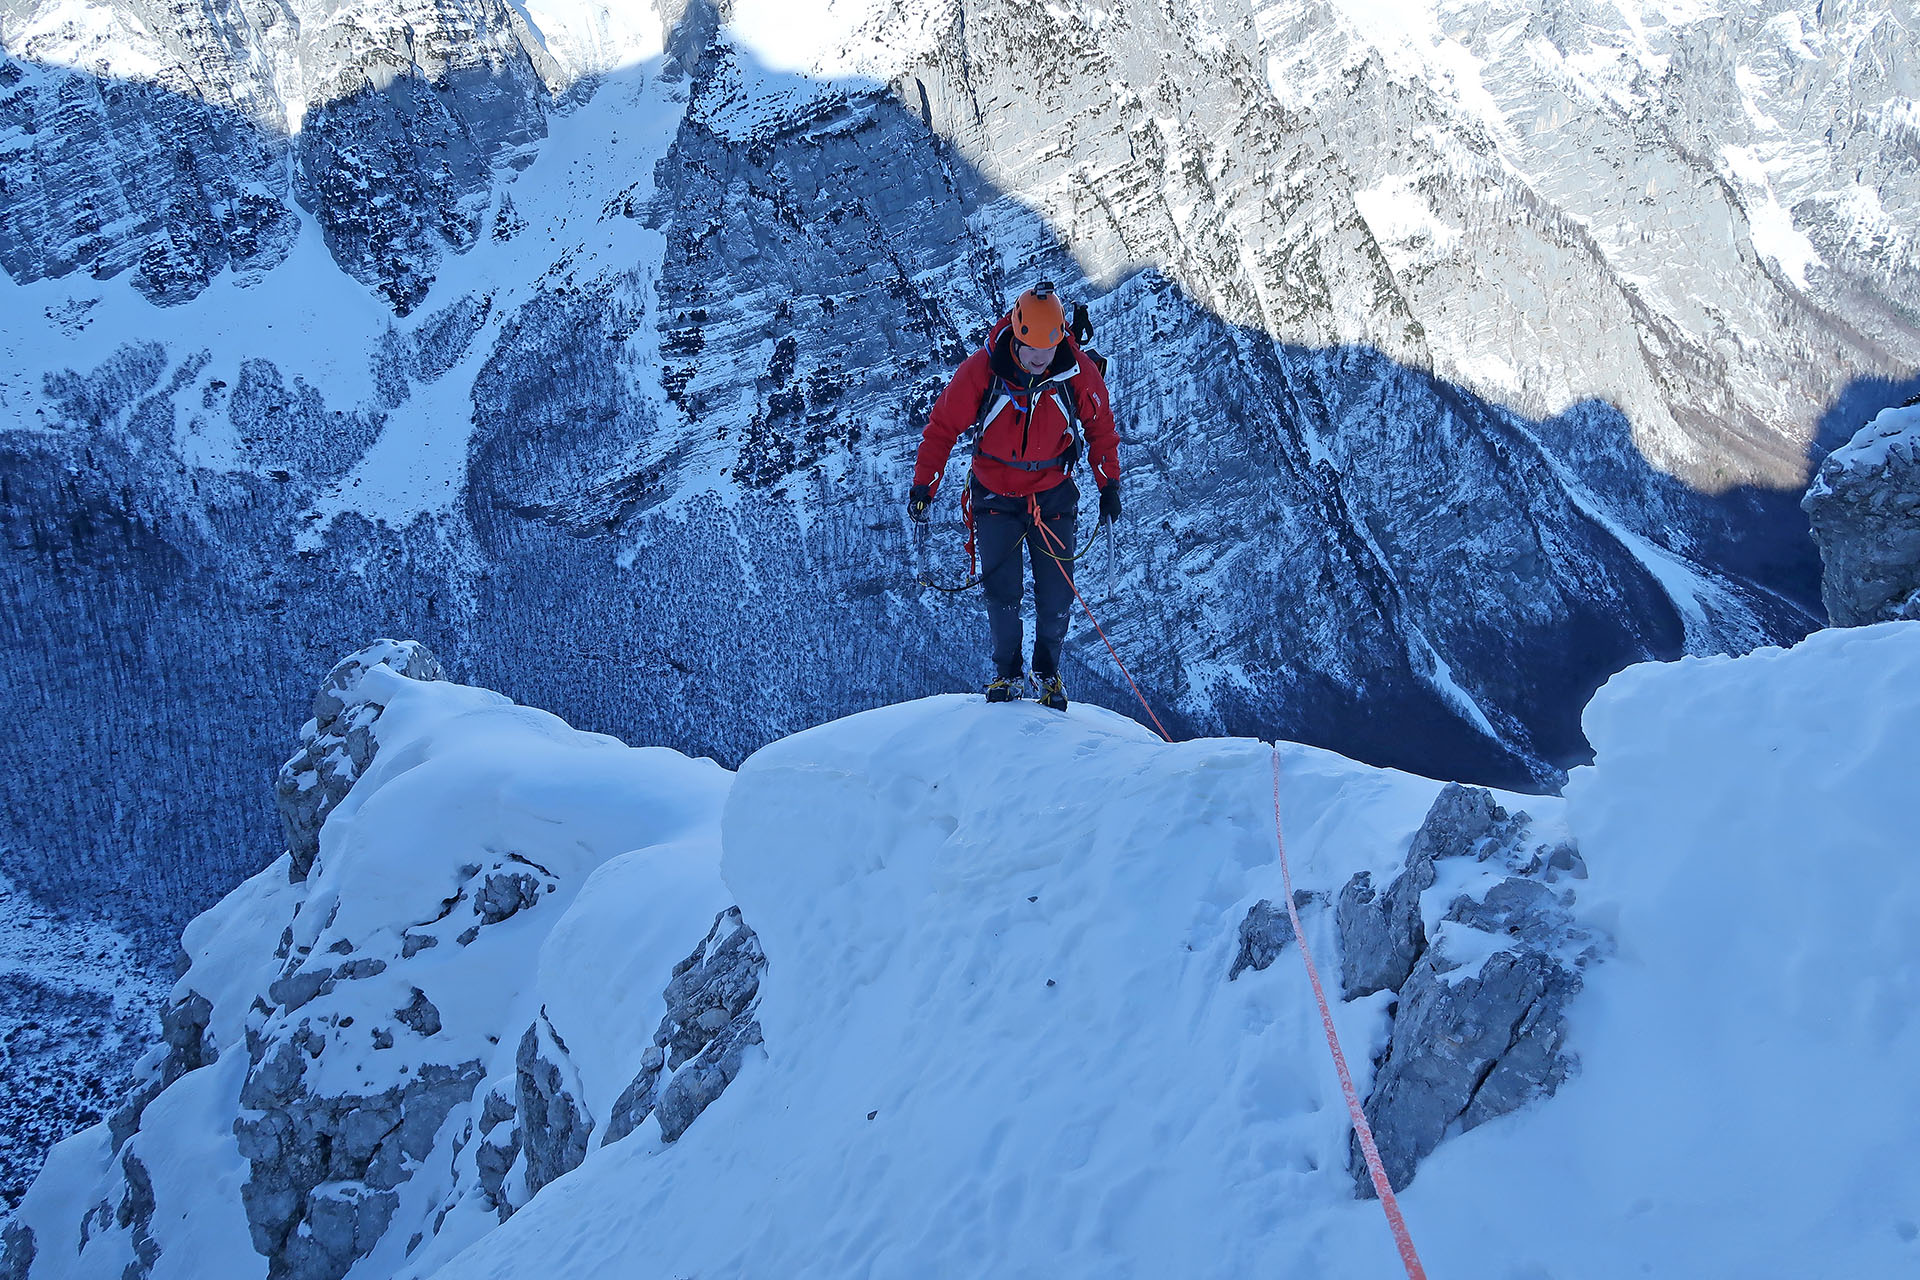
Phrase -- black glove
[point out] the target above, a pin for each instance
(918, 500)
(1110, 502)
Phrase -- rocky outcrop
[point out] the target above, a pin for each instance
(704, 1037)
(338, 744)
(1470, 1046)
(325, 1168)
(1478, 1020)
(17, 1251)
(1382, 935)
(554, 1127)
(1865, 507)
(498, 1152)
(135, 1217)
(1479, 1025)
(184, 1046)
(333, 1026)
(1265, 932)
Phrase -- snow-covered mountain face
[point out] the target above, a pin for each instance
(1464, 355)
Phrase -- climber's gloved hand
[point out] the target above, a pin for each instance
(919, 499)
(1110, 502)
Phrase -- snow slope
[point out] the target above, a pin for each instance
(1023, 985)
(999, 1036)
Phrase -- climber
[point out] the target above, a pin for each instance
(1030, 393)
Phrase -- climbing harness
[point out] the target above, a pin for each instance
(976, 575)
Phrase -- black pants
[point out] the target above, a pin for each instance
(1000, 524)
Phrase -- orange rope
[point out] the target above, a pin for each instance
(1362, 1130)
(1402, 1238)
(1034, 505)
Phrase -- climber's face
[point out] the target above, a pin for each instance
(1035, 360)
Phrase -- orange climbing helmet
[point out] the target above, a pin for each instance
(1038, 318)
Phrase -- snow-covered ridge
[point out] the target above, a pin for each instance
(1025, 1006)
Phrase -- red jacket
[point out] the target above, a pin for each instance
(1025, 421)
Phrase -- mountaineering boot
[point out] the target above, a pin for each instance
(1005, 688)
(1051, 692)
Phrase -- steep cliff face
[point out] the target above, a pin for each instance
(177, 149)
(1454, 360)
(1682, 212)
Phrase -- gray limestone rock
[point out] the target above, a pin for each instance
(185, 1046)
(420, 1014)
(703, 1039)
(700, 1081)
(296, 989)
(125, 1121)
(1518, 908)
(342, 1223)
(1464, 821)
(17, 1251)
(1864, 505)
(338, 744)
(1564, 860)
(1382, 936)
(323, 1169)
(135, 1216)
(721, 977)
(506, 894)
(183, 1028)
(1464, 1048)
(1263, 933)
(493, 1159)
(1463, 1052)
(495, 1111)
(636, 1101)
(554, 1125)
